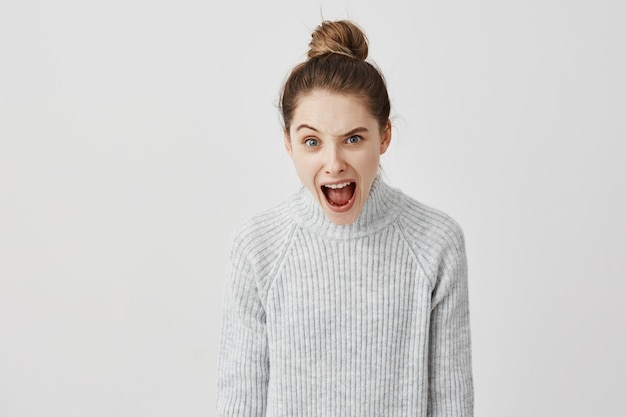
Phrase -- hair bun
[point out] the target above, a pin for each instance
(340, 37)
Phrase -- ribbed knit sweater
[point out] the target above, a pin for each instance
(365, 319)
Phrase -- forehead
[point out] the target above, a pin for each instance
(331, 113)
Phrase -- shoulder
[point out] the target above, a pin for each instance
(432, 234)
(262, 238)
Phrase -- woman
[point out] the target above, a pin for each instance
(350, 298)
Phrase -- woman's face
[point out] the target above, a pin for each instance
(335, 145)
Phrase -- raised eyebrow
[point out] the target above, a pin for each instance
(305, 126)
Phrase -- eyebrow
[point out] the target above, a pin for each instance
(352, 132)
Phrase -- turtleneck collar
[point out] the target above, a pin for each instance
(380, 209)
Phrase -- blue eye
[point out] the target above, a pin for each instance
(311, 142)
(354, 139)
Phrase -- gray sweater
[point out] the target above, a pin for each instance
(365, 319)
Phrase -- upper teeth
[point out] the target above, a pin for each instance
(343, 184)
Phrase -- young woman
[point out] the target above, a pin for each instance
(350, 298)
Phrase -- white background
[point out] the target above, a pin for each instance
(136, 135)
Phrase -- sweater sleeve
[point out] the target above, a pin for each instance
(243, 371)
(451, 391)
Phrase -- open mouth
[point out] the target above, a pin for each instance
(339, 196)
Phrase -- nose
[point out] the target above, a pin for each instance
(335, 162)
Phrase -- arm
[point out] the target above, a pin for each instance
(243, 371)
(451, 392)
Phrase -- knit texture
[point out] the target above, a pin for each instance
(365, 319)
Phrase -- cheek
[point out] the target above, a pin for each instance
(368, 161)
(305, 166)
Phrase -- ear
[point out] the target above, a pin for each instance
(385, 139)
(287, 140)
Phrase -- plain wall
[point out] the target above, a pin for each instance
(136, 135)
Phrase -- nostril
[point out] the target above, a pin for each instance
(335, 165)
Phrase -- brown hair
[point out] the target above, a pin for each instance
(336, 62)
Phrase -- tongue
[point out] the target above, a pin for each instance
(340, 196)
